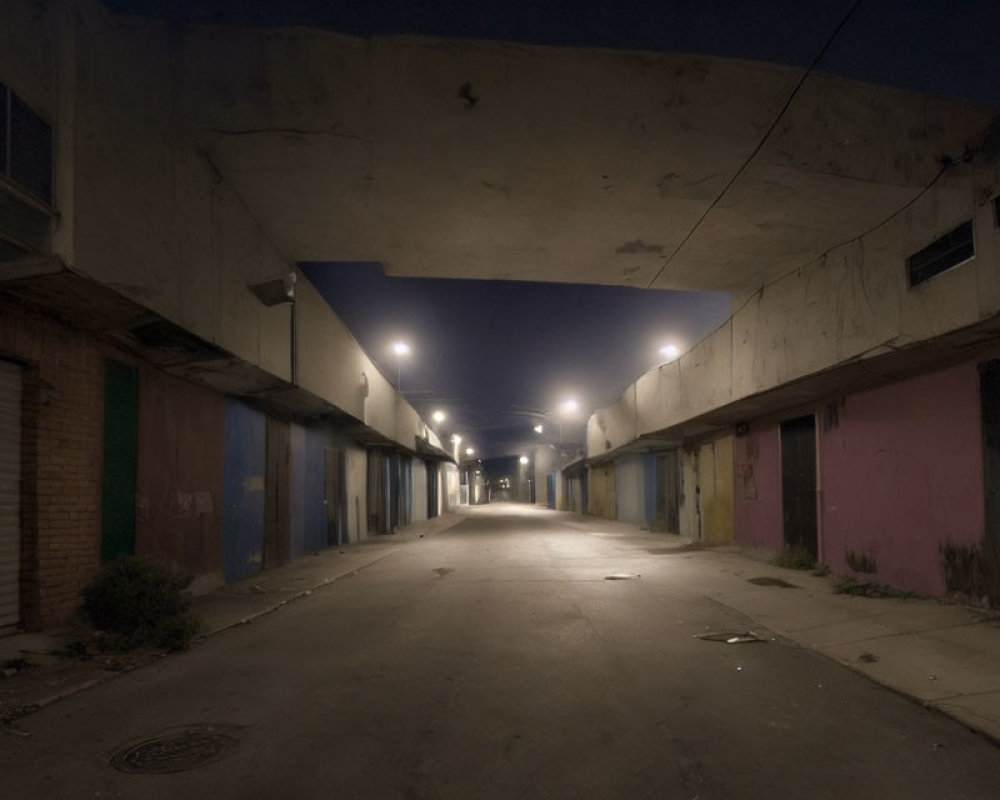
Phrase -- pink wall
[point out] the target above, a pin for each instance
(901, 473)
(757, 490)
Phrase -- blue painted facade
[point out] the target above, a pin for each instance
(308, 509)
(243, 490)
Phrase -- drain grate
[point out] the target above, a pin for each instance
(178, 749)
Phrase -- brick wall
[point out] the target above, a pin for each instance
(62, 433)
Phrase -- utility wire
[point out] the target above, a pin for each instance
(767, 135)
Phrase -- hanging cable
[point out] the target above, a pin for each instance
(767, 135)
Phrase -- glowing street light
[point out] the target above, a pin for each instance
(402, 350)
(569, 405)
(439, 416)
(670, 351)
(523, 460)
(469, 451)
(539, 428)
(456, 438)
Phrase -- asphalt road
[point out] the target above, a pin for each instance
(494, 660)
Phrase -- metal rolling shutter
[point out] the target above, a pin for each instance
(10, 493)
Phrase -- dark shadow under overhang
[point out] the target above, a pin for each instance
(46, 285)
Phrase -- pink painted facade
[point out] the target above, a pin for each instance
(900, 474)
(757, 493)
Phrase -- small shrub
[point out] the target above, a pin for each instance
(139, 602)
(852, 587)
(822, 570)
(795, 558)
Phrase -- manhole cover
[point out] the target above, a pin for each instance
(178, 749)
(772, 582)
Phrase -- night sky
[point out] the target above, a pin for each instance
(496, 355)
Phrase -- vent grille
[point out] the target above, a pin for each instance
(949, 251)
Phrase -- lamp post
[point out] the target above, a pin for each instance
(402, 350)
(568, 406)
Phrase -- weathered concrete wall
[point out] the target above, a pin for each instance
(144, 210)
(715, 485)
(901, 474)
(757, 501)
(851, 304)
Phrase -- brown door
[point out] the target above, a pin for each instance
(668, 491)
(798, 483)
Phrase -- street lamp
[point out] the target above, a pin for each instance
(670, 351)
(469, 451)
(439, 416)
(539, 428)
(569, 405)
(402, 350)
(523, 460)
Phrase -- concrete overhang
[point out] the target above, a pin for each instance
(830, 386)
(461, 159)
(46, 285)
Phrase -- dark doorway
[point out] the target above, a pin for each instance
(989, 395)
(432, 489)
(334, 496)
(668, 492)
(121, 426)
(798, 483)
(277, 501)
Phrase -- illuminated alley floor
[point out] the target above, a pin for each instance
(496, 660)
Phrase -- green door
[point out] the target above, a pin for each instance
(120, 433)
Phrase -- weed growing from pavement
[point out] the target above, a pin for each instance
(137, 602)
(795, 558)
(854, 588)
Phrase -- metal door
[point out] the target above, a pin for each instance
(243, 491)
(798, 483)
(668, 491)
(432, 489)
(121, 430)
(278, 487)
(989, 395)
(10, 494)
(334, 496)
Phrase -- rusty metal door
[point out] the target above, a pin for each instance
(278, 488)
(668, 491)
(798, 483)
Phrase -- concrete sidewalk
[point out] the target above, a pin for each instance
(49, 673)
(944, 655)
